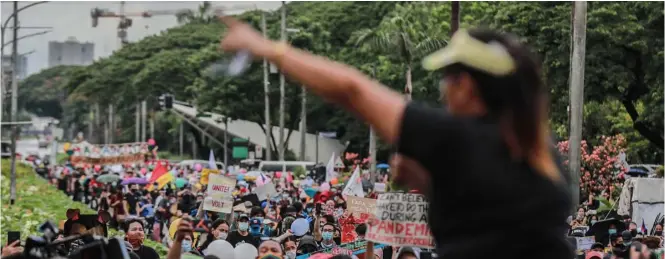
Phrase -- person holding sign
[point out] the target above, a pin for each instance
(487, 158)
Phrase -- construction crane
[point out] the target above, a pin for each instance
(125, 21)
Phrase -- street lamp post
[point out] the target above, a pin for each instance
(12, 188)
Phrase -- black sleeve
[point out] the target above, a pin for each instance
(425, 131)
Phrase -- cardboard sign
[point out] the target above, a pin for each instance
(266, 191)
(357, 205)
(219, 197)
(380, 187)
(402, 221)
(585, 243)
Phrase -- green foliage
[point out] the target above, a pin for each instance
(623, 82)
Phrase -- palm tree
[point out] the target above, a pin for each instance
(402, 41)
(204, 14)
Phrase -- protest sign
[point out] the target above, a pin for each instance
(379, 187)
(352, 248)
(402, 221)
(357, 205)
(266, 191)
(219, 197)
(585, 243)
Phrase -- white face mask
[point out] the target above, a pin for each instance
(222, 236)
(291, 254)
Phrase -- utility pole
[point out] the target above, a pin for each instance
(181, 138)
(303, 124)
(282, 90)
(226, 144)
(111, 126)
(577, 96)
(372, 143)
(14, 109)
(266, 92)
(143, 120)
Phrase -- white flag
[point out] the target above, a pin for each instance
(354, 186)
(211, 161)
(330, 169)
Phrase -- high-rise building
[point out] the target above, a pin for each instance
(22, 68)
(70, 52)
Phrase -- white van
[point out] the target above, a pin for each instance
(273, 166)
(204, 163)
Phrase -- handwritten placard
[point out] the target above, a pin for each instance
(402, 221)
(585, 243)
(357, 205)
(205, 175)
(266, 191)
(219, 196)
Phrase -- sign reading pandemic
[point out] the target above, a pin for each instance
(85, 153)
(401, 221)
(219, 195)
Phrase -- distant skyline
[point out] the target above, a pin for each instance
(72, 19)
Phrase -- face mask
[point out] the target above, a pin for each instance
(659, 233)
(136, 240)
(593, 222)
(309, 210)
(186, 246)
(612, 231)
(327, 235)
(259, 218)
(255, 231)
(291, 254)
(243, 226)
(172, 200)
(222, 235)
(633, 232)
(267, 231)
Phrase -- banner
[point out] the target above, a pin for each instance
(84, 153)
(219, 197)
(353, 248)
(358, 206)
(266, 191)
(402, 221)
(205, 173)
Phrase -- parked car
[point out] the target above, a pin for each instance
(6, 149)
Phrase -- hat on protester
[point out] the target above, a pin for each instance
(255, 223)
(594, 255)
(290, 209)
(492, 58)
(407, 249)
(241, 216)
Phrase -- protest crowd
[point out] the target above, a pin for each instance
(200, 210)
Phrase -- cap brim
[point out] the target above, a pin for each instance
(439, 59)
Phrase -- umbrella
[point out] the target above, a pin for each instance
(180, 182)
(108, 178)
(382, 166)
(600, 228)
(134, 180)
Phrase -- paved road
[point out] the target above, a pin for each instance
(30, 146)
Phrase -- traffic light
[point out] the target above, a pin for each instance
(166, 101)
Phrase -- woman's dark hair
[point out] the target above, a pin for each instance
(361, 229)
(518, 101)
(129, 222)
(341, 256)
(288, 239)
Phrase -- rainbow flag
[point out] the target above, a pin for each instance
(161, 176)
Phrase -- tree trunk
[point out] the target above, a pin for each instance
(454, 17)
(409, 87)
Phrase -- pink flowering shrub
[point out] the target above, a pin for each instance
(600, 168)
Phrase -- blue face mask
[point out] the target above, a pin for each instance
(327, 235)
(593, 222)
(267, 231)
(612, 231)
(255, 231)
(186, 246)
(243, 226)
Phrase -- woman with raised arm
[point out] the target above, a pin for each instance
(485, 163)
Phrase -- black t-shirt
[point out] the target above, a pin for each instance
(483, 202)
(147, 253)
(236, 238)
(131, 199)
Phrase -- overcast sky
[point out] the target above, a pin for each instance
(72, 19)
